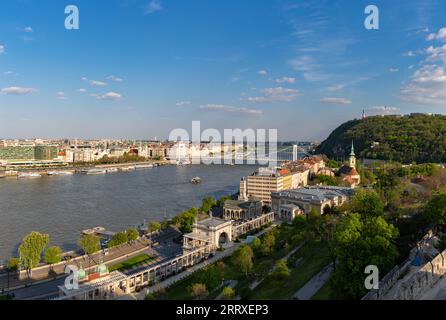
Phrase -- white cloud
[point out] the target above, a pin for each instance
(427, 86)
(262, 72)
(2, 48)
(332, 100)
(440, 35)
(183, 103)
(393, 70)
(279, 94)
(336, 87)
(82, 90)
(311, 70)
(115, 79)
(17, 91)
(95, 83)
(152, 7)
(286, 80)
(28, 30)
(436, 53)
(409, 54)
(231, 110)
(109, 96)
(7, 73)
(382, 110)
(61, 95)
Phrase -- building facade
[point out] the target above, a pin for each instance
(289, 203)
(241, 209)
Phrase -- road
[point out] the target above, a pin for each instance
(48, 287)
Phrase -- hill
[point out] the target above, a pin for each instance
(406, 139)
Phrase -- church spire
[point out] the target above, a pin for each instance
(352, 159)
(352, 152)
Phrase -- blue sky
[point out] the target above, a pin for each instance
(139, 68)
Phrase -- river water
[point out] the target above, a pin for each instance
(63, 206)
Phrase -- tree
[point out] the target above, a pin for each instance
(210, 276)
(282, 271)
(435, 209)
(368, 203)
(361, 241)
(256, 244)
(242, 258)
(300, 223)
(227, 293)
(31, 249)
(207, 204)
(132, 234)
(199, 291)
(53, 255)
(89, 243)
(155, 226)
(13, 266)
(268, 243)
(186, 220)
(118, 239)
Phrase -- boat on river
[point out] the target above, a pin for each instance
(196, 180)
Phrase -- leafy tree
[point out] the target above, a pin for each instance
(199, 290)
(89, 243)
(269, 241)
(210, 276)
(31, 249)
(53, 255)
(367, 203)
(227, 293)
(325, 180)
(155, 226)
(118, 239)
(256, 244)
(13, 264)
(222, 200)
(186, 220)
(242, 258)
(207, 204)
(435, 209)
(361, 241)
(300, 223)
(282, 271)
(132, 234)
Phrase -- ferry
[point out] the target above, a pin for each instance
(60, 173)
(29, 175)
(128, 168)
(144, 166)
(196, 180)
(94, 171)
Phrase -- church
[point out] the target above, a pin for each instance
(348, 173)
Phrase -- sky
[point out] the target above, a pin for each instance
(137, 69)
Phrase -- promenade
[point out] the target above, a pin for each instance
(108, 256)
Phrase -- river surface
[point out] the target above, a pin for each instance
(63, 206)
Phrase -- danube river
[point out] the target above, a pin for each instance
(63, 206)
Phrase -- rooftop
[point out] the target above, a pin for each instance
(318, 194)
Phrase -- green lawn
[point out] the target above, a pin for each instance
(132, 262)
(315, 256)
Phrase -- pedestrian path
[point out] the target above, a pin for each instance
(315, 284)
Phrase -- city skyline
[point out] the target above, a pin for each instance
(141, 68)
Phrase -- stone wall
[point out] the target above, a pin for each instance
(413, 287)
(388, 282)
(424, 279)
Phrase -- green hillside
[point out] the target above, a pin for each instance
(406, 139)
